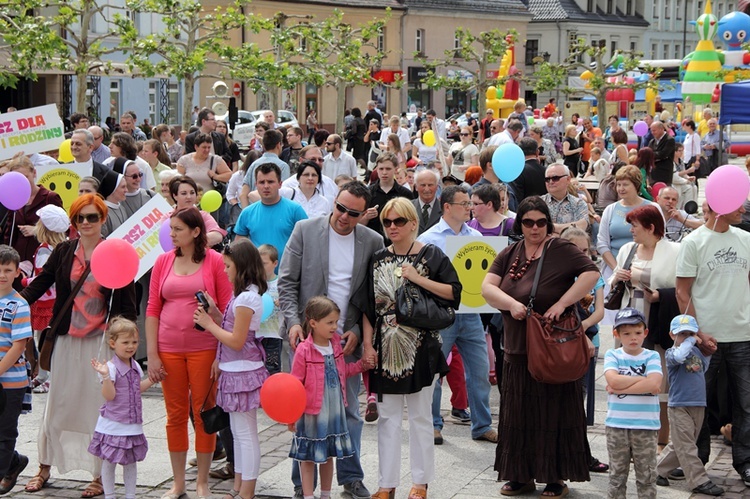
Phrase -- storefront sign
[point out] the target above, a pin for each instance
(418, 74)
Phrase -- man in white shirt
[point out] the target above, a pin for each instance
(508, 136)
(337, 162)
(440, 124)
(403, 135)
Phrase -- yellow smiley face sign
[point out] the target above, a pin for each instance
(472, 261)
(63, 179)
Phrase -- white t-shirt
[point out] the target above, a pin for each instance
(340, 267)
(403, 136)
(462, 157)
(721, 292)
(252, 300)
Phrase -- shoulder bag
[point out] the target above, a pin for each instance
(557, 350)
(218, 185)
(613, 300)
(214, 419)
(418, 308)
(49, 334)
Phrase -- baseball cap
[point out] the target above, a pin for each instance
(683, 323)
(629, 316)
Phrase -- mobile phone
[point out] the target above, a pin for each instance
(203, 303)
(646, 288)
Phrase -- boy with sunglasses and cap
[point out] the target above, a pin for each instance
(686, 366)
(633, 376)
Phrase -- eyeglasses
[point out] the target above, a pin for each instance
(351, 213)
(91, 218)
(530, 222)
(135, 176)
(330, 143)
(398, 222)
(465, 204)
(554, 178)
(464, 134)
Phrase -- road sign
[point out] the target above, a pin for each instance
(236, 89)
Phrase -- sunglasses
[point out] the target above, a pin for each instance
(351, 213)
(530, 222)
(135, 176)
(398, 222)
(464, 134)
(554, 178)
(91, 218)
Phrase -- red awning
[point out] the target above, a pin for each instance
(386, 76)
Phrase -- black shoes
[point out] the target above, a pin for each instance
(709, 488)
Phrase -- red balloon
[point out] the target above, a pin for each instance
(283, 398)
(114, 263)
(656, 188)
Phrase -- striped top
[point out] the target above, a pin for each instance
(15, 325)
(637, 412)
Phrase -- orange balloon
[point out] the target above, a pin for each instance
(283, 398)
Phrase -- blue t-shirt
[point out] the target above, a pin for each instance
(15, 325)
(686, 366)
(270, 224)
(635, 412)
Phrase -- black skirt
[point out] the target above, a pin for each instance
(542, 429)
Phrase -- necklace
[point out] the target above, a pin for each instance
(514, 272)
(397, 271)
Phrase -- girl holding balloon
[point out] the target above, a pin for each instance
(75, 397)
(321, 433)
(239, 363)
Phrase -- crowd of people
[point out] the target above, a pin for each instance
(330, 227)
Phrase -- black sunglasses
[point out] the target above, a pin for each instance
(554, 178)
(464, 134)
(91, 218)
(398, 222)
(135, 176)
(530, 222)
(351, 213)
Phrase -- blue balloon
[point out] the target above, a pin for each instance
(267, 307)
(508, 162)
(644, 78)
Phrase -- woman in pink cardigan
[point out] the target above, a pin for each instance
(179, 355)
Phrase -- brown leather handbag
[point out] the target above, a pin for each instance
(557, 351)
(49, 334)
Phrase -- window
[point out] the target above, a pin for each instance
(419, 41)
(590, 6)
(457, 46)
(678, 9)
(666, 51)
(610, 4)
(629, 8)
(699, 9)
(653, 51)
(174, 102)
(633, 46)
(655, 13)
(153, 101)
(678, 51)
(114, 99)
(532, 50)
(303, 44)
(381, 40)
(613, 46)
(667, 6)
(719, 10)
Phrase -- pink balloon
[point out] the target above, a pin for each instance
(640, 128)
(114, 263)
(727, 189)
(657, 187)
(15, 191)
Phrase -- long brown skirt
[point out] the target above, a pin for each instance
(542, 428)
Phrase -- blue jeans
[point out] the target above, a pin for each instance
(467, 334)
(350, 469)
(736, 356)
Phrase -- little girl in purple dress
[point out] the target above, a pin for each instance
(118, 437)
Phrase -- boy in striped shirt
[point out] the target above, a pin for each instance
(633, 376)
(15, 331)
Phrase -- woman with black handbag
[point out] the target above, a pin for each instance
(75, 397)
(409, 357)
(542, 430)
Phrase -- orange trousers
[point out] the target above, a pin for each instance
(187, 383)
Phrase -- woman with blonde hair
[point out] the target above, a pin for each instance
(571, 149)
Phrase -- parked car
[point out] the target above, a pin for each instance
(244, 128)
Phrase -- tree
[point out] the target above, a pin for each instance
(304, 50)
(474, 57)
(56, 34)
(189, 42)
(602, 78)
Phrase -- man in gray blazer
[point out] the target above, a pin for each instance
(429, 209)
(330, 256)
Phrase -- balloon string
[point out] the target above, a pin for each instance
(102, 348)
(12, 226)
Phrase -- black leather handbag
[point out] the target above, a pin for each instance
(613, 300)
(214, 419)
(418, 308)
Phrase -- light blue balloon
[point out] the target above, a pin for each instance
(508, 162)
(267, 307)
(644, 78)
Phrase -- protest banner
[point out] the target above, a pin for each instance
(142, 231)
(36, 129)
(472, 258)
(63, 179)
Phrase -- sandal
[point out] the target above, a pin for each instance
(513, 488)
(417, 493)
(232, 494)
(41, 387)
(596, 466)
(555, 490)
(38, 481)
(384, 494)
(94, 488)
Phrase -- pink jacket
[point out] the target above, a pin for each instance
(215, 280)
(309, 368)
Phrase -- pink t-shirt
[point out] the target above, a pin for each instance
(177, 331)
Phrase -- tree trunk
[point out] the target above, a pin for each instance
(601, 108)
(187, 102)
(273, 92)
(81, 87)
(482, 88)
(340, 106)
